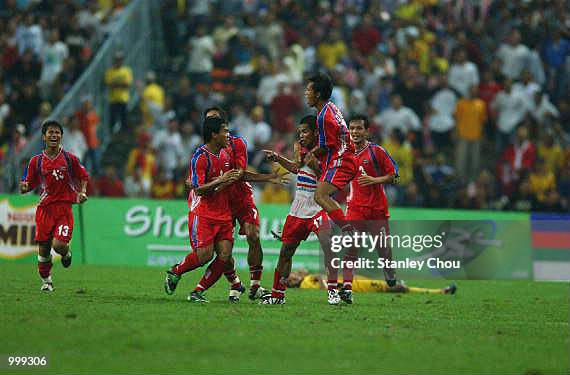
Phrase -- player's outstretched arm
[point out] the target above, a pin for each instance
(369, 180)
(219, 183)
(289, 165)
(275, 177)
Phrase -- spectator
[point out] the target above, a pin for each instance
(471, 115)
(463, 74)
(517, 160)
(514, 56)
(183, 100)
(556, 52)
(511, 109)
(200, 62)
(261, 131)
(401, 151)
(53, 54)
(162, 186)
(542, 110)
(167, 144)
(74, 140)
(283, 109)
(366, 36)
(141, 167)
(118, 79)
(441, 121)
(398, 116)
(332, 50)
(543, 185)
(152, 99)
(110, 185)
(551, 154)
(89, 123)
(190, 141)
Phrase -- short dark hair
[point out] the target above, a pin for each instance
(215, 108)
(51, 124)
(322, 84)
(212, 125)
(360, 117)
(310, 120)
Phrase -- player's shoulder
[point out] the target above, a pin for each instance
(199, 153)
(375, 147)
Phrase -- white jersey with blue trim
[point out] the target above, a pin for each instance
(304, 205)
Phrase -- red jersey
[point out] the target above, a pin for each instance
(372, 160)
(237, 149)
(333, 134)
(59, 178)
(205, 166)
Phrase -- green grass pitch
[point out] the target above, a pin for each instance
(118, 320)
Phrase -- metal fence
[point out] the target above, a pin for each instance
(138, 34)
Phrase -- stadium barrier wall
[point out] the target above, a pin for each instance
(144, 232)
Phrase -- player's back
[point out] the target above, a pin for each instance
(333, 132)
(206, 166)
(58, 177)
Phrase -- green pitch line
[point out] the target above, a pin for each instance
(118, 320)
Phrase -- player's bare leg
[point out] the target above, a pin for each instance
(214, 271)
(282, 271)
(324, 199)
(254, 260)
(62, 248)
(45, 264)
(192, 261)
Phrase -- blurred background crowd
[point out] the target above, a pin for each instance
(470, 97)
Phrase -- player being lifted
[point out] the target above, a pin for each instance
(210, 222)
(245, 212)
(334, 148)
(305, 216)
(62, 181)
(367, 206)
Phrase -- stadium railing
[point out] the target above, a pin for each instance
(138, 34)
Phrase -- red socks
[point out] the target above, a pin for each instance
(44, 266)
(348, 273)
(279, 286)
(233, 278)
(212, 274)
(189, 263)
(255, 276)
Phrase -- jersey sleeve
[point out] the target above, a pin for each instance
(199, 169)
(79, 170)
(31, 173)
(386, 164)
(240, 152)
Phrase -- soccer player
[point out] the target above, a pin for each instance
(209, 219)
(62, 181)
(367, 206)
(245, 212)
(305, 216)
(334, 148)
(302, 279)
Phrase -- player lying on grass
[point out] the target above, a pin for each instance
(62, 181)
(367, 206)
(302, 279)
(305, 216)
(245, 212)
(210, 221)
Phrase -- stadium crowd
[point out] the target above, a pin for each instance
(471, 98)
(44, 47)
